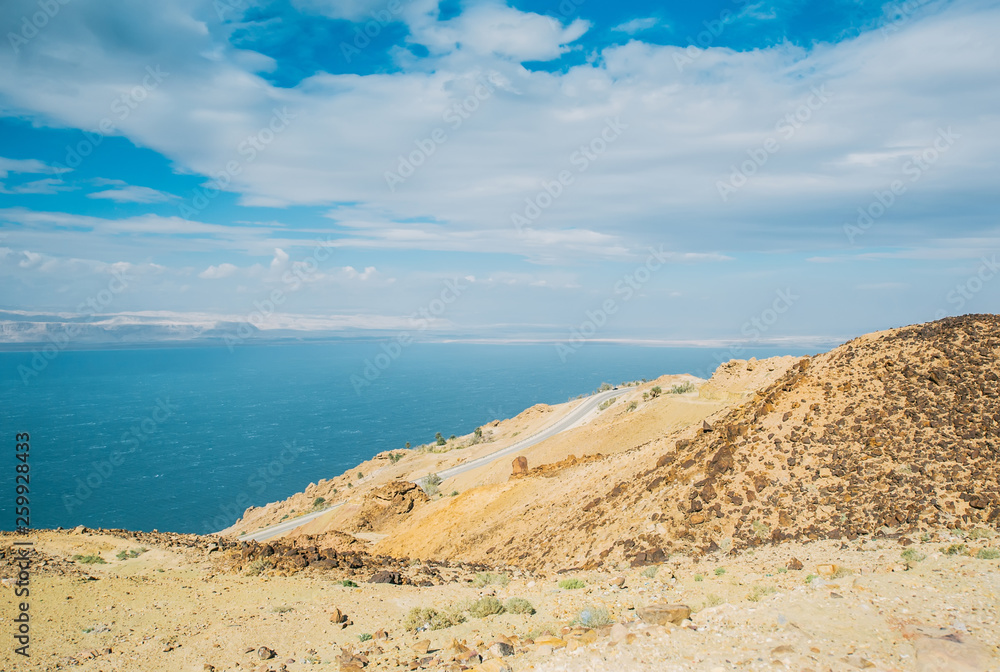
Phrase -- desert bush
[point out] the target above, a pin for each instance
(956, 549)
(683, 388)
(486, 606)
(810, 578)
(571, 584)
(318, 502)
(650, 572)
(365, 637)
(258, 566)
(632, 405)
(439, 439)
(490, 579)
(396, 457)
(913, 555)
(430, 484)
(607, 403)
(93, 559)
(757, 593)
(980, 533)
(593, 617)
(605, 387)
(699, 577)
(518, 605)
(719, 571)
(988, 554)
(283, 609)
(761, 530)
(419, 617)
(713, 600)
(134, 553)
(347, 583)
(655, 391)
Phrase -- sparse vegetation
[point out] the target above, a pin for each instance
(605, 387)
(912, 555)
(719, 571)
(980, 533)
(782, 570)
(347, 583)
(988, 554)
(283, 609)
(432, 619)
(360, 475)
(683, 388)
(713, 600)
(519, 605)
(956, 549)
(257, 567)
(318, 502)
(810, 578)
(593, 617)
(757, 593)
(486, 606)
(134, 553)
(439, 439)
(93, 559)
(454, 493)
(655, 391)
(607, 403)
(650, 572)
(699, 577)
(365, 637)
(761, 530)
(396, 457)
(571, 584)
(490, 579)
(430, 484)
(632, 405)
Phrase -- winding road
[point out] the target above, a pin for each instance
(569, 421)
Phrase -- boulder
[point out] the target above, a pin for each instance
(519, 467)
(663, 613)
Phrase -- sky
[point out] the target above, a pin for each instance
(774, 171)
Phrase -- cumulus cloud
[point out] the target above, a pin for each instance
(636, 25)
(218, 272)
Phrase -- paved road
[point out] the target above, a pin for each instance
(571, 419)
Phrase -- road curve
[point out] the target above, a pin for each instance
(568, 421)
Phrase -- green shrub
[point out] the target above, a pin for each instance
(988, 554)
(122, 555)
(593, 617)
(439, 439)
(758, 592)
(318, 502)
(607, 403)
(713, 600)
(134, 553)
(430, 484)
(93, 559)
(719, 571)
(605, 387)
(782, 570)
(360, 475)
(650, 572)
(517, 605)
(347, 583)
(956, 549)
(699, 577)
(490, 579)
(365, 637)
(913, 555)
(571, 584)
(632, 405)
(811, 578)
(683, 388)
(980, 533)
(396, 457)
(761, 530)
(419, 617)
(655, 391)
(486, 606)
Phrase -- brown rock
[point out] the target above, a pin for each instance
(519, 467)
(423, 646)
(662, 613)
(794, 564)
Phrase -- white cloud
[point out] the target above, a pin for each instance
(48, 186)
(8, 166)
(636, 25)
(133, 194)
(217, 272)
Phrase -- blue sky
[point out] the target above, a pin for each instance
(357, 156)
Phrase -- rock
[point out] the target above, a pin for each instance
(940, 650)
(493, 665)
(618, 632)
(519, 467)
(618, 581)
(423, 646)
(501, 649)
(705, 426)
(212, 548)
(545, 650)
(265, 653)
(337, 616)
(384, 576)
(550, 640)
(662, 613)
(794, 564)
(826, 570)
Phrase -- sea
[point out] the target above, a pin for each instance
(183, 439)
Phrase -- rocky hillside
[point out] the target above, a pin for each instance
(892, 432)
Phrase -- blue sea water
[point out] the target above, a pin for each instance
(182, 439)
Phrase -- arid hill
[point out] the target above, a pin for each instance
(895, 431)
